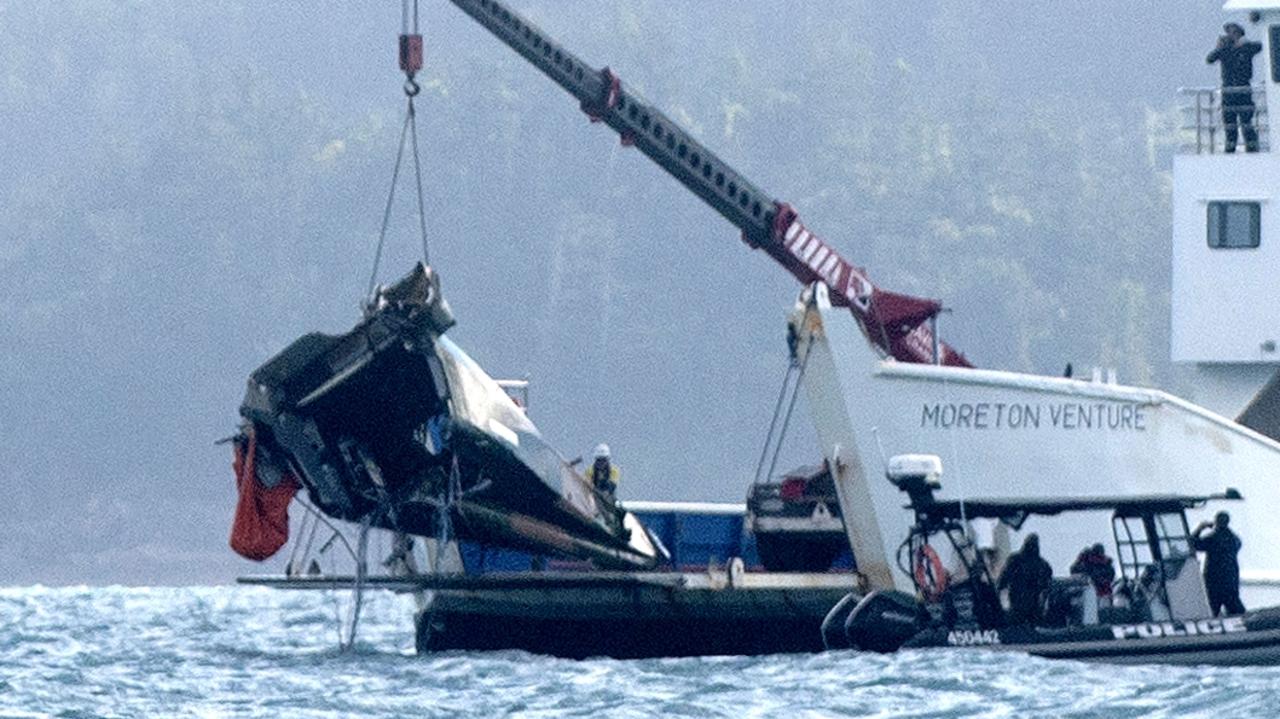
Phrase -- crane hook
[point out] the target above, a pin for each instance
(411, 57)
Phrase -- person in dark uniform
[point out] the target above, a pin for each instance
(1221, 570)
(1235, 56)
(1027, 577)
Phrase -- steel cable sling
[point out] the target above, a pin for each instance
(410, 54)
(789, 394)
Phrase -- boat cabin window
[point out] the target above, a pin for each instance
(1275, 52)
(1132, 547)
(1171, 528)
(1234, 225)
(1143, 539)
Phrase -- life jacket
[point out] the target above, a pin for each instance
(1098, 568)
(609, 483)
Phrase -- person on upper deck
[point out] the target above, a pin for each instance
(1235, 56)
(1027, 577)
(1221, 569)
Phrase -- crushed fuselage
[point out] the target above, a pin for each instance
(391, 423)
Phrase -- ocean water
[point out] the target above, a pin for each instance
(236, 651)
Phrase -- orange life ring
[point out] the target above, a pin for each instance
(929, 573)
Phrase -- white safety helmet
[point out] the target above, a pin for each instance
(602, 451)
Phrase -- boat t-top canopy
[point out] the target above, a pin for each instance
(1016, 511)
(1251, 5)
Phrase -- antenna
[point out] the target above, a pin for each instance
(884, 459)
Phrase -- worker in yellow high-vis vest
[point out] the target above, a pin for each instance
(602, 473)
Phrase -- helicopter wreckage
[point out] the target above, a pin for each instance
(392, 425)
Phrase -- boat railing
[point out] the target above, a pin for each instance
(517, 390)
(1202, 128)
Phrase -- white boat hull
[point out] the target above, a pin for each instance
(1019, 435)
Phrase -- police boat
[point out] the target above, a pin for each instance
(1158, 612)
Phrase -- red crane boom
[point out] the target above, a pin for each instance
(898, 324)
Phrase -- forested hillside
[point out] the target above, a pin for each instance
(189, 186)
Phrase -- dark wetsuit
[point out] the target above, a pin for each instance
(1237, 95)
(1221, 570)
(1027, 576)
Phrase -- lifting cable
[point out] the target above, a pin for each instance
(410, 62)
(773, 423)
(793, 363)
(786, 420)
(795, 368)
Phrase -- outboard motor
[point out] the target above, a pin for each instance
(917, 475)
(833, 635)
(882, 621)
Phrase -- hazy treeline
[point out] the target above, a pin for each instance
(188, 187)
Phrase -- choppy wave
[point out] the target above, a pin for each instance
(233, 651)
